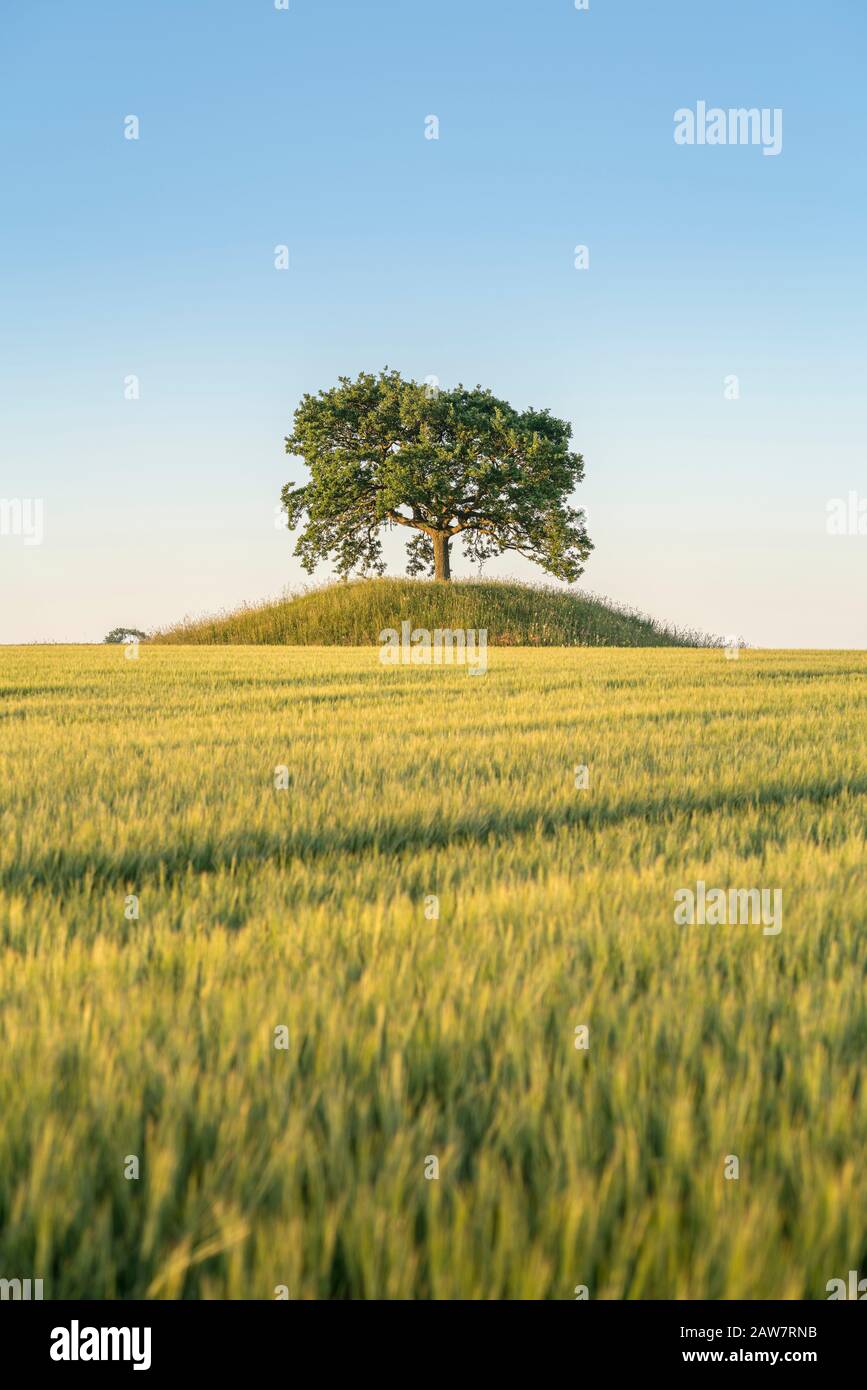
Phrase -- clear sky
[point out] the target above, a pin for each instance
(453, 257)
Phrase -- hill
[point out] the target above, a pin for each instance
(514, 615)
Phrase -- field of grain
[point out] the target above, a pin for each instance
(412, 1037)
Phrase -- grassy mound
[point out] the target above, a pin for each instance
(514, 615)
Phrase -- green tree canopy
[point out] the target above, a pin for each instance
(385, 452)
(123, 634)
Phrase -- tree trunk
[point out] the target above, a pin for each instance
(442, 569)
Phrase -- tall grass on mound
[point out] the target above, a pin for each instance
(514, 615)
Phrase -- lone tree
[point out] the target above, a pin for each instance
(385, 452)
(125, 634)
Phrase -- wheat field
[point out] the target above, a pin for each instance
(338, 986)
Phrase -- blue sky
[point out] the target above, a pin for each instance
(451, 257)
